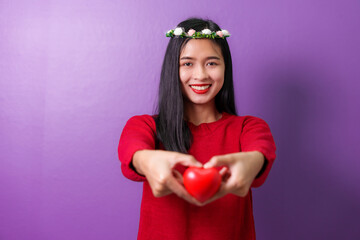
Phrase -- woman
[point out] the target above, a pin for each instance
(196, 125)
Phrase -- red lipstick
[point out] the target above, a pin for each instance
(200, 91)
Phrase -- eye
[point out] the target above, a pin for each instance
(187, 64)
(212, 63)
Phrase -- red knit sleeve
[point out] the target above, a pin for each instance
(138, 134)
(256, 136)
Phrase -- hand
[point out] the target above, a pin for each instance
(158, 168)
(238, 173)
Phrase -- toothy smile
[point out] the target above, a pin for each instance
(200, 87)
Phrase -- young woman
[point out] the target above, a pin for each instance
(196, 125)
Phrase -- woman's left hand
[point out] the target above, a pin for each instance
(238, 173)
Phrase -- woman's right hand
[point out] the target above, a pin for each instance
(158, 168)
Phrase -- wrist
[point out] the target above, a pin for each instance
(137, 161)
(259, 158)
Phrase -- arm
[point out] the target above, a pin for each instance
(138, 134)
(238, 172)
(141, 162)
(158, 168)
(250, 167)
(256, 136)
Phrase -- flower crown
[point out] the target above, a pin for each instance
(206, 33)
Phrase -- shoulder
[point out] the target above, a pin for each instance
(246, 121)
(144, 120)
(252, 119)
(243, 119)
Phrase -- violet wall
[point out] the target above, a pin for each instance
(73, 72)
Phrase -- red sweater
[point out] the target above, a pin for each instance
(170, 217)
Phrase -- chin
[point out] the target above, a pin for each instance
(200, 102)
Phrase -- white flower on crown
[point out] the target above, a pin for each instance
(225, 32)
(206, 31)
(178, 31)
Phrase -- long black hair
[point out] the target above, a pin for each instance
(171, 128)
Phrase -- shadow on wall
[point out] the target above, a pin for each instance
(311, 194)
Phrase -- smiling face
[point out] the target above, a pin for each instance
(201, 71)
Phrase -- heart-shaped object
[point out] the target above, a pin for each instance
(202, 183)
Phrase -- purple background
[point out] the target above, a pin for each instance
(73, 72)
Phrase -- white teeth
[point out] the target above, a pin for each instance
(200, 87)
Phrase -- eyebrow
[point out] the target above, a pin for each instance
(208, 58)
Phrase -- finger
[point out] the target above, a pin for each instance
(223, 171)
(160, 192)
(217, 161)
(180, 191)
(225, 174)
(188, 160)
(219, 194)
(178, 176)
(165, 193)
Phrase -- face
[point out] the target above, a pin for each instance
(201, 70)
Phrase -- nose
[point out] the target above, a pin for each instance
(200, 73)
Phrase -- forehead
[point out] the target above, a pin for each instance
(200, 47)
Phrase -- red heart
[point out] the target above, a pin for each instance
(202, 183)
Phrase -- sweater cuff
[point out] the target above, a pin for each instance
(127, 166)
(264, 172)
(263, 168)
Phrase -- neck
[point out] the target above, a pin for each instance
(201, 113)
